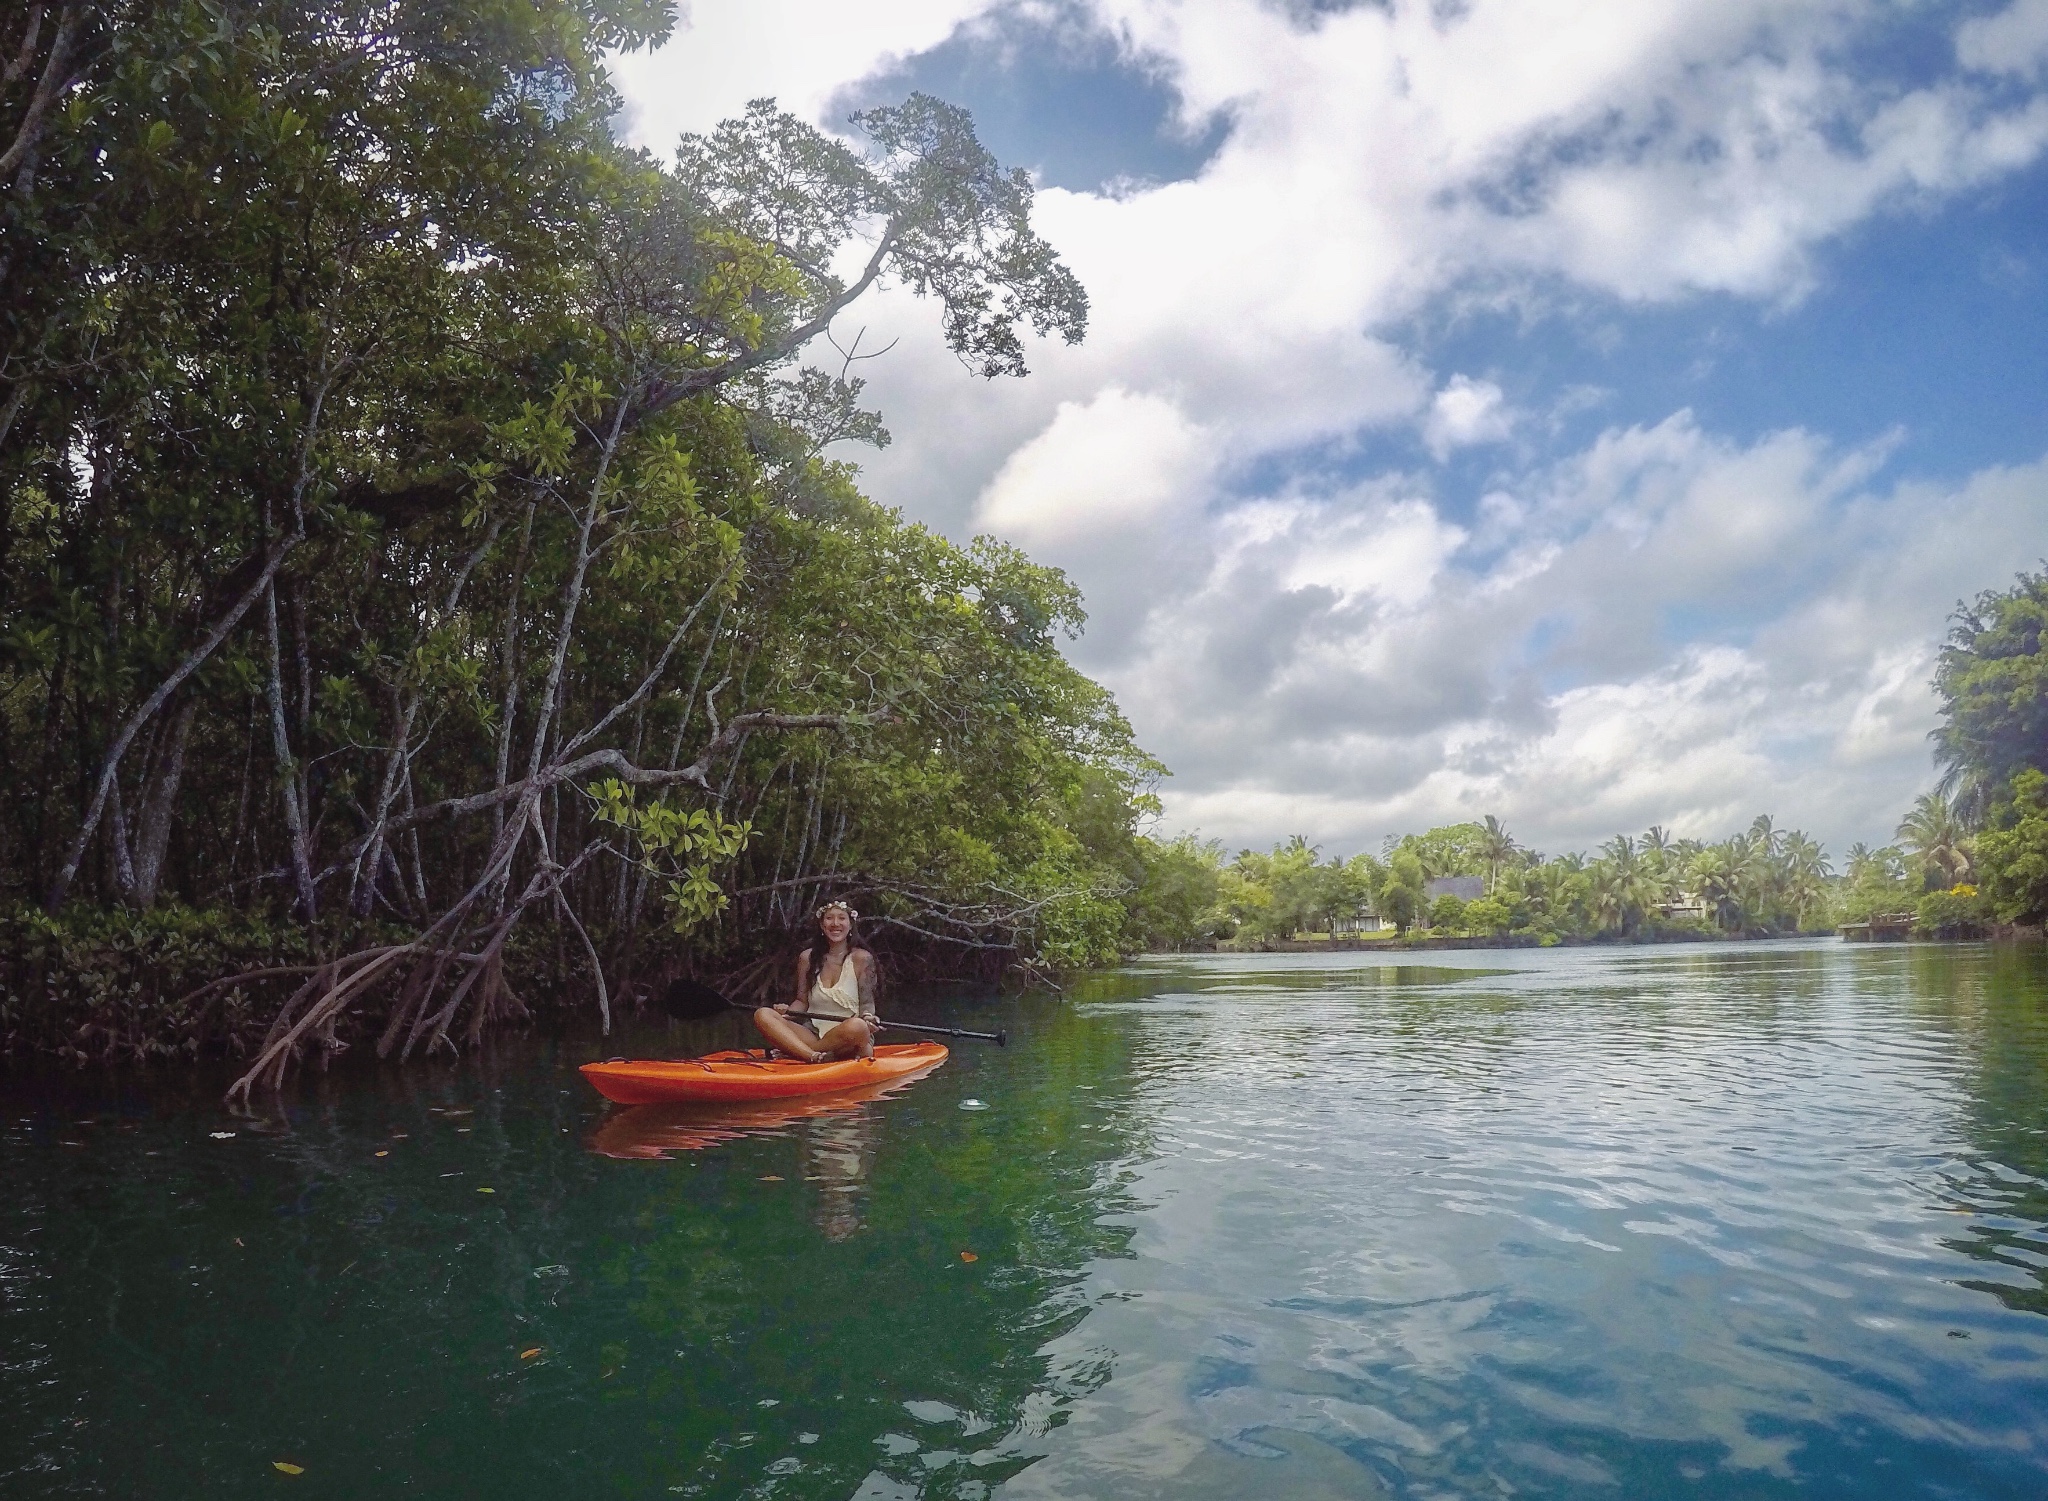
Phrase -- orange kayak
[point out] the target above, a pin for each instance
(745, 1076)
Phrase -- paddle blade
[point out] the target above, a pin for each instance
(690, 1000)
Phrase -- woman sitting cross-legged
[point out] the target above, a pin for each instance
(833, 1015)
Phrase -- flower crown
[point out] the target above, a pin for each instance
(852, 916)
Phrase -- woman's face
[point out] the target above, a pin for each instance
(835, 924)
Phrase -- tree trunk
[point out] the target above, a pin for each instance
(110, 764)
(153, 838)
(287, 786)
(509, 711)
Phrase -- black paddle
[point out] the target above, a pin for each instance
(688, 1001)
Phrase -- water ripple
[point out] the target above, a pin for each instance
(1727, 1221)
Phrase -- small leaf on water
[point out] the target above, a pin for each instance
(969, 1256)
(223, 1135)
(771, 1178)
(486, 1190)
(383, 1154)
(529, 1354)
(287, 1466)
(238, 1241)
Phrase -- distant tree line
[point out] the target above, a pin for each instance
(1763, 879)
(1970, 854)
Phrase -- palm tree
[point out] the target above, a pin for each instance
(1862, 861)
(1610, 895)
(1804, 870)
(1659, 864)
(1934, 834)
(1623, 888)
(1717, 874)
(1496, 848)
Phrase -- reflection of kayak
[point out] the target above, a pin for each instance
(746, 1076)
(697, 1125)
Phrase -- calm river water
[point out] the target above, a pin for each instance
(1716, 1222)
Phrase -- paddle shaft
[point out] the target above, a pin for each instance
(687, 1000)
(1000, 1039)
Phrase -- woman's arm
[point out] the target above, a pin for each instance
(864, 976)
(803, 986)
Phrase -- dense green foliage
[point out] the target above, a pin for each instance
(2014, 851)
(1993, 681)
(1989, 824)
(416, 520)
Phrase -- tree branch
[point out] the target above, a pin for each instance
(53, 83)
(110, 764)
(615, 763)
(665, 394)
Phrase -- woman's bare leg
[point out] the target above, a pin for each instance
(790, 1036)
(852, 1038)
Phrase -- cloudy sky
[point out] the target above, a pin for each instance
(1584, 411)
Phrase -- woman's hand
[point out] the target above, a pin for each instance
(874, 1022)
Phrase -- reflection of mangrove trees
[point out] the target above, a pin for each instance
(1996, 999)
(689, 1321)
(973, 1227)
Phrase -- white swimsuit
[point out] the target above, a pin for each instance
(829, 1006)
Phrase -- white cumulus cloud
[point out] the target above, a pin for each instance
(1666, 625)
(1116, 461)
(1465, 412)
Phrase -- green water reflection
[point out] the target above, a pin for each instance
(789, 1308)
(1723, 1221)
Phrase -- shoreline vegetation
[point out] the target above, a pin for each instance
(434, 593)
(1970, 858)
